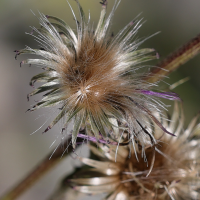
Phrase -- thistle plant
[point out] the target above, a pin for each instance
(102, 85)
(96, 78)
(175, 174)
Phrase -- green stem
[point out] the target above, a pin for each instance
(176, 59)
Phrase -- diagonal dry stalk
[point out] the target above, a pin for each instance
(43, 167)
(175, 60)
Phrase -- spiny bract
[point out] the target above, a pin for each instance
(94, 76)
(175, 175)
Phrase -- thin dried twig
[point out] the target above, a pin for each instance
(174, 60)
(40, 170)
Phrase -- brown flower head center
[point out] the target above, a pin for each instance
(134, 174)
(84, 91)
(89, 74)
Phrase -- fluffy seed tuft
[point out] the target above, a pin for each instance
(96, 78)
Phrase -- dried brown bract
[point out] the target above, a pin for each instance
(175, 174)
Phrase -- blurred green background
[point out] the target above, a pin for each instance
(178, 21)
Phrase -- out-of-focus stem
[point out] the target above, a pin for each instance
(44, 166)
(176, 59)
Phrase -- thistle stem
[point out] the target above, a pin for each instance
(43, 167)
(176, 59)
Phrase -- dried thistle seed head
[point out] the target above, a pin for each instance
(175, 174)
(96, 77)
